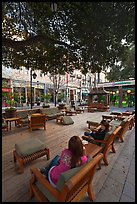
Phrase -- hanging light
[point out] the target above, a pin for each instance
(34, 75)
(53, 7)
(117, 91)
(128, 91)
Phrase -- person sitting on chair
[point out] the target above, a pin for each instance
(100, 134)
(73, 156)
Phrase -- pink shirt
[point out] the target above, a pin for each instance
(64, 165)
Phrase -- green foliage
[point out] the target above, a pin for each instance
(4, 94)
(47, 97)
(11, 102)
(60, 97)
(124, 71)
(10, 109)
(82, 31)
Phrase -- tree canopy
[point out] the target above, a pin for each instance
(125, 70)
(79, 35)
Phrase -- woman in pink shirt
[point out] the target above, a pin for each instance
(72, 157)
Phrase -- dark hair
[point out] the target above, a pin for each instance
(105, 124)
(76, 147)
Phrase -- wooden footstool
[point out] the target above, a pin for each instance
(29, 150)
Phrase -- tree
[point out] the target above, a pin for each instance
(125, 70)
(58, 83)
(88, 31)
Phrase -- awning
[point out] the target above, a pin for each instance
(84, 94)
(6, 89)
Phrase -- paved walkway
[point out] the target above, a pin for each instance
(120, 183)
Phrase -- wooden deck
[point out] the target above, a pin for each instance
(15, 186)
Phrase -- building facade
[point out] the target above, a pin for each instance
(74, 87)
(122, 93)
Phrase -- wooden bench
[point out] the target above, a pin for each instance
(71, 186)
(98, 106)
(108, 142)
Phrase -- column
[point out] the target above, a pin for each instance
(120, 96)
(45, 88)
(26, 94)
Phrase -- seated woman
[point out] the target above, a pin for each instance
(100, 134)
(73, 156)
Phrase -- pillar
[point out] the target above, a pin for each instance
(26, 97)
(120, 96)
(45, 88)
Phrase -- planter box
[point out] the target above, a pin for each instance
(10, 114)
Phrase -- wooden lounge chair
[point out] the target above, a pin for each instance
(37, 120)
(126, 124)
(108, 142)
(115, 113)
(127, 113)
(71, 186)
(108, 117)
(92, 125)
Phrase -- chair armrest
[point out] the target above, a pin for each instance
(90, 139)
(101, 141)
(39, 177)
(96, 129)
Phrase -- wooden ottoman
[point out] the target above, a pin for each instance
(29, 150)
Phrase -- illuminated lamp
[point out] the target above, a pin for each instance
(128, 91)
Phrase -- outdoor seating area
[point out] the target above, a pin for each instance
(49, 143)
(71, 187)
(68, 101)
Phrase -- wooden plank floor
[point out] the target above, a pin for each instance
(15, 186)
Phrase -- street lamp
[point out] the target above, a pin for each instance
(34, 75)
(53, 7)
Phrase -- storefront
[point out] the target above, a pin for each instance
(122, 93)
(6, 91)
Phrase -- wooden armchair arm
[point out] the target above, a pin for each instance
(39, 177)
(97, 128)
(93, 140)
(101, 141)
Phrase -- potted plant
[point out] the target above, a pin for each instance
(38, 101)
(10, 112)
(47, 98)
